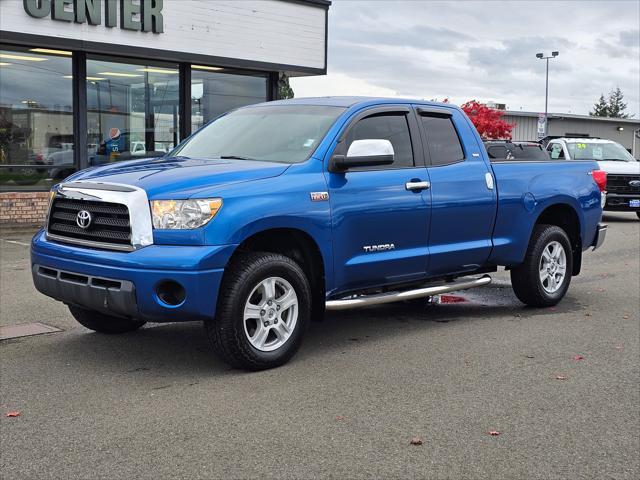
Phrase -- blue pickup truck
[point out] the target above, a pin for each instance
(273, 214)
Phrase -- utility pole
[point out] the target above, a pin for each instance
(546, 90)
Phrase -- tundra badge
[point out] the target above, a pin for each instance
(379, 248)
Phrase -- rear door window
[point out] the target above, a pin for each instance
(444, 144)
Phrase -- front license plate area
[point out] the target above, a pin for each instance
(634, 203)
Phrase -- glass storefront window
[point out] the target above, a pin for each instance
(214, 93)
(132, 109)
(36, 118)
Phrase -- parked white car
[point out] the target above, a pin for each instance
(623, 171)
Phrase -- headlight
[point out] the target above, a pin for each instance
(184, 214)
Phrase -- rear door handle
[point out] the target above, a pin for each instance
(417, 185)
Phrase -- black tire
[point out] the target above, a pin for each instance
(226, 332)
(638, 215)
(100, 322)
(525, 279)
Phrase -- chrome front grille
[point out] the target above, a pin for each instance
(109, 224)
(101, 215)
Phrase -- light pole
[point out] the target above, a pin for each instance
(546, 90)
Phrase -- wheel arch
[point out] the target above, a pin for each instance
(565, 216)
(301, 247)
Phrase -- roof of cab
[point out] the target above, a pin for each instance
(347, 102)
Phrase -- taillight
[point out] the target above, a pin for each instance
(600, 177)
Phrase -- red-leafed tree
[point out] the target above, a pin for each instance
(488, 121)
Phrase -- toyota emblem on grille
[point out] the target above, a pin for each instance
(634, 183)
(84, 219)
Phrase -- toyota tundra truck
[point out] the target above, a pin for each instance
(274, 213)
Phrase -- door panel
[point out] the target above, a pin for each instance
(462, 214)
(380, 226)
(372, 209)
(463, 206)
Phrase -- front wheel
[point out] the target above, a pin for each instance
(264, 307)
(638, 215)
(543, 278)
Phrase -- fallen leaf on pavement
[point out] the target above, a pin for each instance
(560, 377)
(587, 314)
(339, 418)
(416, 441)
(494, 433)
(12, 414)
(620, 347)
(626, 317)
(578, 357)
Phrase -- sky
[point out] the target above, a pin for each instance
(464, 50)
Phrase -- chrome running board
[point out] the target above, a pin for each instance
(390, 297)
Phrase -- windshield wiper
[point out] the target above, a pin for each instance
(613, 160)
(235, 157)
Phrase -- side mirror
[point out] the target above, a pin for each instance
(364, 153)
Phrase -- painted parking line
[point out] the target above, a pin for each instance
(15, 242)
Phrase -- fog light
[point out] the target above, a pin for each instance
(171, 293)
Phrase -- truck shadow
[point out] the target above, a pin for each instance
(178, 353)
(341, 330)
(616, 217)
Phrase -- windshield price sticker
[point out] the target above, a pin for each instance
(597, 153)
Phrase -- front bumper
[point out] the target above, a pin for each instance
(107, 295)
(617, 202)
(125, 283)
(601, 234)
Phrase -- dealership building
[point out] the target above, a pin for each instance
(89, 82)
(625, 131)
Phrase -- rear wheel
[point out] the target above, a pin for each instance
(263, 309)
(100, 322)
(544, 276)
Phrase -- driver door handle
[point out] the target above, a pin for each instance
(417, 185)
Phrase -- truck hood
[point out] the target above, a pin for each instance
(620, 168)
(180, 177)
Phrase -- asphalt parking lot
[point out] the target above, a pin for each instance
(560, 385)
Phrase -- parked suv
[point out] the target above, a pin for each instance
(623, 171)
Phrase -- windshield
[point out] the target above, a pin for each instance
(272, 133)
(599, 151)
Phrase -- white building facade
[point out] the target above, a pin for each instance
(87, 82)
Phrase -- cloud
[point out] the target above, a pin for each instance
(516, 55)
(338, 84)
(630, 39)
(484, 50)
(417, 36)
(625, 44)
